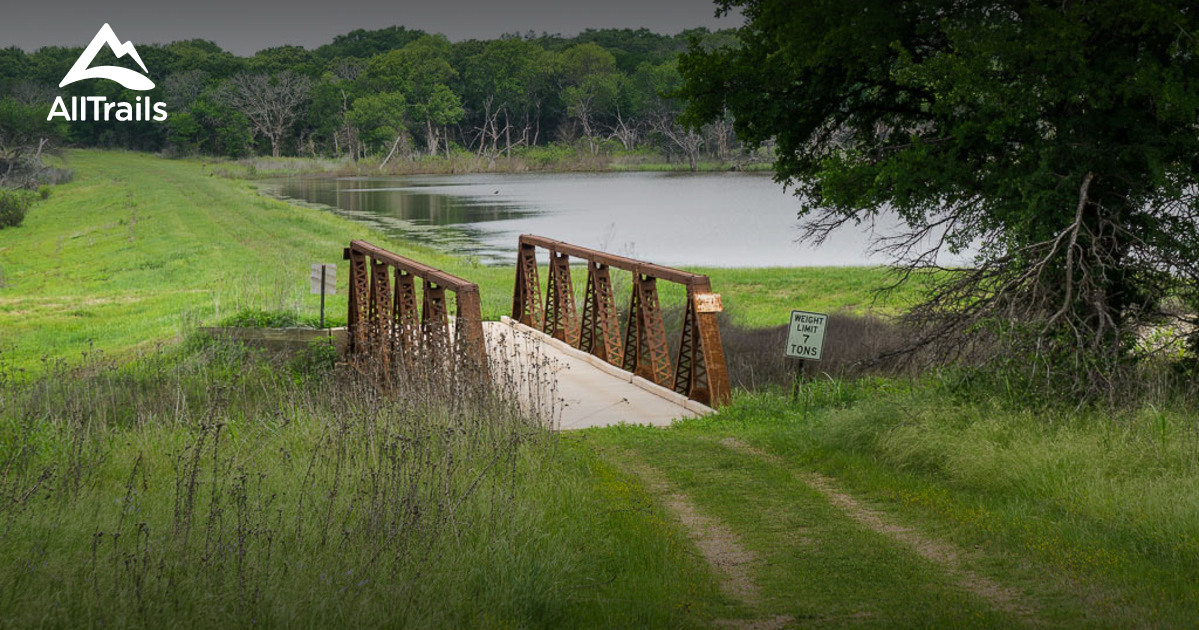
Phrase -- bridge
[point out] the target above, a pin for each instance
(574, 368)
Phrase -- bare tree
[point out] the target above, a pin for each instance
(1049, 304)
(626, 129)
(181, 89)
(663, 121)
(272, 104)
(25, 135)
(30, 93)
(721, 133)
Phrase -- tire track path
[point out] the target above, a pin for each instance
(939, 553)
(721, 548)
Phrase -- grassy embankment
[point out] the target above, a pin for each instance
(877, 503)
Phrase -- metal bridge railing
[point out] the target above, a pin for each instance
(385, 322)
(699, 370)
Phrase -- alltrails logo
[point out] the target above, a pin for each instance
(98, 106)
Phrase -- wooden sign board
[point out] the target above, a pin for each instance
(708, 303)
(330, 279)
(805, 335)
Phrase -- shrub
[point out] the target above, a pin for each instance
(56, 176)
(853, 346)
(43, 191)
(320, 356)
(255, 318)
(258, 318)
(13, 206)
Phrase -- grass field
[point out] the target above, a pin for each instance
(193, 485)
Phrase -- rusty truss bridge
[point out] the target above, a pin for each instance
(605, 370)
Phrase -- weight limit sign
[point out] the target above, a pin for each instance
(805, 335)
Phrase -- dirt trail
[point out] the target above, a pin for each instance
(942, 554)
(721, 548)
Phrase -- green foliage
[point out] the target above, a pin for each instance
(22, 126)
(420, 74)
(364, 44)
(43, 191)
(384, 114)
(1006, 106)
(13, 206)
(490, 96)
(258, 318)
(317, 358)
(1047, 134)
(184, 132)
(591, 82)
(227, 132)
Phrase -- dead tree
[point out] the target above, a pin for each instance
(272, 104)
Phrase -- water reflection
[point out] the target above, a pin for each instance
(709, 219)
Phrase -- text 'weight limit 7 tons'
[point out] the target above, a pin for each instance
(805, 335)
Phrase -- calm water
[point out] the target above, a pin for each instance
(710, 219)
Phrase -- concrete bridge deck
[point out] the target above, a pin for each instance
(574, 389)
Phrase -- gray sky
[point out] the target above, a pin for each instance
(245, 26)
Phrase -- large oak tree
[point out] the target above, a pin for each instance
(1058, 139)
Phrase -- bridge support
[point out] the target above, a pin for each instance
(386, 326)
(699, 370)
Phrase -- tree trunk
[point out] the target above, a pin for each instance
(394, 146)
(431, 138)
(507, 134)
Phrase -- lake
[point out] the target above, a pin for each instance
(701, 219)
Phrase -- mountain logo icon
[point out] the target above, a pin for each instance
(126, 77)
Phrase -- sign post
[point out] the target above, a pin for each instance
(323, 280)
(805, 342)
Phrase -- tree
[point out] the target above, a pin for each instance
(365, 44)
(590, 85)
(181, 89)
(272, 104)
(274, 60)
(226, 131)
(507, 78)
(383, 117)
(1057, 137)
(25, 135)
(13, 67)
(421, 72)
(661, 109)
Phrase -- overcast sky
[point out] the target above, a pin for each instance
(245, 26)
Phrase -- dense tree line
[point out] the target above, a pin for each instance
(389, 92)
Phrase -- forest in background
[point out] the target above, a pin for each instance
(393, 93)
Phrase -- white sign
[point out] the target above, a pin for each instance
(708, 303)
(805, 335)
(330, 278)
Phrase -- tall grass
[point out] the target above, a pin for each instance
(201, 486)
(210, 489)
